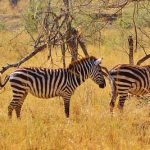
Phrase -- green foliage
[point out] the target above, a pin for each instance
(142, 15)
(88, 25)
(83, 18)
(35, 13)
(143, 19)
(32, 14)
(125, 21)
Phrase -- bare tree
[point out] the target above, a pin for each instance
(55, 29)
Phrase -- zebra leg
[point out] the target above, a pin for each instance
(113, 100)
(66, 105)
(121, 102)
(10, 109)
(13, 105)
(16, 104)
(114, 93)
(18, 110)
(20, 103)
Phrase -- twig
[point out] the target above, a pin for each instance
(17, 35)
(144, 33)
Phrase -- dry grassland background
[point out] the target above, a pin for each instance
(43, 125)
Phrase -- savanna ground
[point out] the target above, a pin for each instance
(90, 126)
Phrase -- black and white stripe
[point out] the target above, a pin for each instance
(129, 79)
(46, 83)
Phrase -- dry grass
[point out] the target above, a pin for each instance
(90, 126)
(8, 9)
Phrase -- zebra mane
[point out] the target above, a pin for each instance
(73, 64)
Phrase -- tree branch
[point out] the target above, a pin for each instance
(33, 53)
(135, 28)
(143, 59)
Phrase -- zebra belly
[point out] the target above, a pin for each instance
(44, 96)
(141, 91)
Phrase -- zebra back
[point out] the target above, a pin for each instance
(135, 78)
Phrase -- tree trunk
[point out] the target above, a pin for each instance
(71, 36)
(130, 42)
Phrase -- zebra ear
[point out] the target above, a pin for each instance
(98, 61)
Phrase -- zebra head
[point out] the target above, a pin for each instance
(96, 73)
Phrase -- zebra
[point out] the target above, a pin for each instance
(47, 83)
(129, 79)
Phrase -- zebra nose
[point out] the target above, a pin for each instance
(102, 85)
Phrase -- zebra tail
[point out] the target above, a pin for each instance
(5, 81)
(111, 81)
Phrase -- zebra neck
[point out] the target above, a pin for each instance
(82, 74)
(77, 76)
(80, 71)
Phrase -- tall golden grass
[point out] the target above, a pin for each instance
(90, 127)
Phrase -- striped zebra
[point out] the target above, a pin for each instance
(46, 83)
(129, 79)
